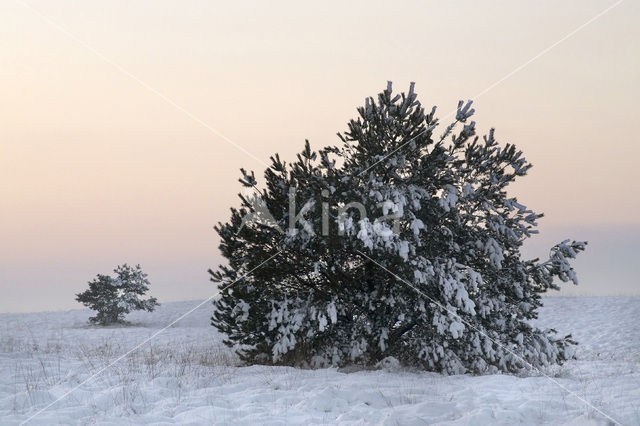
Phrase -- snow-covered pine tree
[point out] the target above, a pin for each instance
(114, 297)
(426, 267)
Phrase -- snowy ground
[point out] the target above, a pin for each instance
(185, 376)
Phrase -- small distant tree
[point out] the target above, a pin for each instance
(114, 297)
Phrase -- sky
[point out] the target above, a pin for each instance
(124, 124)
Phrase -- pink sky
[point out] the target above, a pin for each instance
(97, 170)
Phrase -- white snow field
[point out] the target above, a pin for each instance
(186, 376)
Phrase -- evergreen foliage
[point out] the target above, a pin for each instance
(113, 298)
(435, 212)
